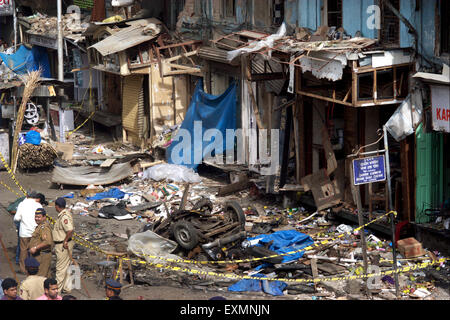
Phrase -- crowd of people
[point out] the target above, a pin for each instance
(37, 240)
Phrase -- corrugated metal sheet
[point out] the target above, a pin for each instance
(215, 54)
(274, 86)
(133, 106)
(128, 37)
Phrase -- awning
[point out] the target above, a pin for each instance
(140, 31)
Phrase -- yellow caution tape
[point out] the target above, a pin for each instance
(11, 174)
(315, 280)
(8, 187)
(81, 125)
(85, 243)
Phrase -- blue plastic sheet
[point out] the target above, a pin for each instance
(214, 112)
(112, 193)
(274, 288)
(26, 60)
(286, 241)
(33, 137)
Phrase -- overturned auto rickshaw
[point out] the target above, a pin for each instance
(217, 233)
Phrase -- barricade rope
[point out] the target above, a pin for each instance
(315, 280)
(81, 125)
(11, 174)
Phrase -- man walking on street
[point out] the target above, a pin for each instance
(33, 286)
(41, 243)
(62, 237)
(25, 215)
(50, 290)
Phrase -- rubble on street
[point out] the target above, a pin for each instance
(291, 150)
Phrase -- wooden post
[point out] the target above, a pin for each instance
(354, 84)
(297, 143)
(362, 236)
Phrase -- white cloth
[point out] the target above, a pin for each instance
(25, 215)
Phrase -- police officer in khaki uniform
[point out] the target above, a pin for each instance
(62, 236)
(33, 286)
(41, 243)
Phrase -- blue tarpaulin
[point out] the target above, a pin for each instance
(274, 288)
(205, 112)
(26, 60)
(285, 241)
(112, 193)
(33, 137)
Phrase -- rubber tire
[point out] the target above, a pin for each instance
(238, 214)
(185, 234)
(203, 203)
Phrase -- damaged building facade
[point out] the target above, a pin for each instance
(346, 71)
(329, 75)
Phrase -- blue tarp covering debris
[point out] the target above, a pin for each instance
(112, 193)
(285, 241)
(214, 112)
(33, 137)
(27, 60)
(274, 288)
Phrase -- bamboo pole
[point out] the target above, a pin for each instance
(7, 258)
(31, 82)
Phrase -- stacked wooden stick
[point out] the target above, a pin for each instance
(32, 156)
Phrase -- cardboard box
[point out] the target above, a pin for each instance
(410, 248)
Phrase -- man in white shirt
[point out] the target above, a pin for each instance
(25, 215)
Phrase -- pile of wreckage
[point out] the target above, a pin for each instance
(172, 214)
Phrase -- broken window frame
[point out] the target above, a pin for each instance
(338, 13)
(226, 12)
(281, 3)
(389, 39)
(444, 26)
(351, 95)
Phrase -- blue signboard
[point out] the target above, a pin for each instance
(368, 170)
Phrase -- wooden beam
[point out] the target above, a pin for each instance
(188, 43)
(267, 76)
(296, 121)
(354, 84)
(173, 73)
(312, 95)
(183, 55)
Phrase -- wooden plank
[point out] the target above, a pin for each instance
(180, 72)
(107, 163)
(354, 85)
(314, 270)
(234, 187)
(183, 55)
(297, 143)
(188, 43)
(267, 76)
(312, 95)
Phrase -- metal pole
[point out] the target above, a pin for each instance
(60, 71)
(391, 208)
(15, 25)
(357, 194)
